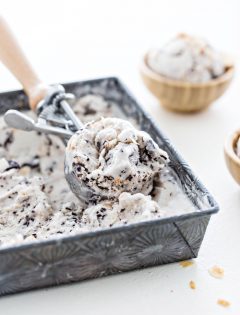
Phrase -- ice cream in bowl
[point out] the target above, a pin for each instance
(187, 74)
(232, 155)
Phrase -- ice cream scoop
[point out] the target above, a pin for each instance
(18, 120)
(103, 158)
(55, 116)
(110, 156)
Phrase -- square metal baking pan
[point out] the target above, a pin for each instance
(109, 251)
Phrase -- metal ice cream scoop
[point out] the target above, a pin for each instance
(52, 117)
(50, 103)
(18, 120)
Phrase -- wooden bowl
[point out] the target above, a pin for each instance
(183, 96)
(231, 158)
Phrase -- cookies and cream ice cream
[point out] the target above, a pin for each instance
(36, 202)
(187, 58)
(129, 208)
(110, 156)
(23, 202)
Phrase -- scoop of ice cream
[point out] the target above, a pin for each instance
(187, 58)
(110, 156)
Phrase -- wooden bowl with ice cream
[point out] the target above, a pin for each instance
(182, 95)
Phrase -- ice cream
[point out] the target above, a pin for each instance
(23, 203)
(187, 58)
(127, 209)
(36, 202)
(92, 107)
(110, 156)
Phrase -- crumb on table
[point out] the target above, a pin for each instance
(223, 302)
(192, 285)
(186, 263)
(216, 272)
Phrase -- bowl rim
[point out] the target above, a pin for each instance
(229, 147)
(226, 76)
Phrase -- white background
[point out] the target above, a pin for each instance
(75, 40)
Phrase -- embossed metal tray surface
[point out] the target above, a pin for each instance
(109, 251)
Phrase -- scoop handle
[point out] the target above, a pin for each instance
(13, 57)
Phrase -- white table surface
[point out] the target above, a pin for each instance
(74, 40)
